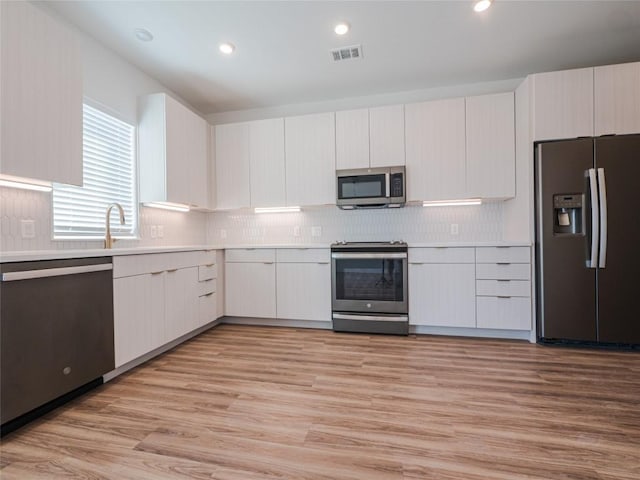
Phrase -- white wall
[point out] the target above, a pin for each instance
(116, 84)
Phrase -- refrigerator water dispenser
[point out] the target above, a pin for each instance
(568, 218)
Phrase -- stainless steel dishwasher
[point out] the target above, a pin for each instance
(56, 333)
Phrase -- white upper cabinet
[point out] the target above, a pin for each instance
(562, 104)
(617, 99)
(490, 134)
(435, 149)
(352, 139)
(266, 160)
(310, 158)
(41, 96)
(172, 142)
(232, 166)
(386, 136)
(370, 137)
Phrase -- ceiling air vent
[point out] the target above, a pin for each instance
(346, 53)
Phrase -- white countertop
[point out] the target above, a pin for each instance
(24, 256)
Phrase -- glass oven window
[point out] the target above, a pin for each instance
(369, 280)
(362, 186)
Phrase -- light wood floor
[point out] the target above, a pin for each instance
(248, 403)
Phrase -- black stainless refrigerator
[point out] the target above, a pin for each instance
(588, 240)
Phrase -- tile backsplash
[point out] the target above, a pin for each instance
(16, 205)
(412, 223)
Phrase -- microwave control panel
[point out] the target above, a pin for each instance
(395, 185)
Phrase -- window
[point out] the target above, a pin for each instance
(108, 149)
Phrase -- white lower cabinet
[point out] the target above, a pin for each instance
(138, 316)
(250, 289)
(304, 291)
(503, 285)
(158, 298)
(442, 295)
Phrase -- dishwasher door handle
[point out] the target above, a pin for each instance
(55, 272)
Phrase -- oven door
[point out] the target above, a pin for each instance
(363, 189)
(369, 282)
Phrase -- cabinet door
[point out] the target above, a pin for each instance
(266, 154)
(138, 316)
(181, 302)
(562, 104)
(232, 166)
(304, 291)
(41, 104)
(186, 155)
(617, 99)
(386, 136)
(250, 289)
(310, 159)
(435, 133)
(491, 159)
(352, 139)
(442, 295)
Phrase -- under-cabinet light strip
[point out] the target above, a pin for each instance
(453, 203)
(176, 207)
(276, 209)
(25, 185)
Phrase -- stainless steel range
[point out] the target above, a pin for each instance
(369, 287)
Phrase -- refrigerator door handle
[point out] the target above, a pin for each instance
(595, 214)
(602, 187)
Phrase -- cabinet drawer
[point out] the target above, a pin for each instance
(442, 255)
(207, 309)
(303, 255)
(129, 265)
(503, 254)
(511, 288)
(510, 271)
(207, 257)
(254, 255)
(504, 313)
(207, 272)
(208, 286)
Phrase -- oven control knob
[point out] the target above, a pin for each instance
(368, 305)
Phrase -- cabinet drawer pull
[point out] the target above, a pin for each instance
(157, 273)
(503, 296)
(267, 263)
(207, 280)
(503, 263)
(207, 294)
(416, 263)
(323, 263)
(210, 265)
(503, 280)
(172, 270)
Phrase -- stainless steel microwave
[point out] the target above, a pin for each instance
(371, 187)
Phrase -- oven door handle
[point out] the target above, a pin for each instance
(365, 256)
(394, 318)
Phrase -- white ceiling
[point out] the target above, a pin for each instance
(282, 54)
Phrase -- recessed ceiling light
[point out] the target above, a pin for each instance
(227, 48)
(341, 28)
(481, 5)
(143, 35)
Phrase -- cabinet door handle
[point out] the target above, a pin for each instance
(416, 263)
(210, 265)
(268, 263)
(207, 294)
(503, 280)
(157, 273)
(503, 296)
(323, 263)
(172, 270)
(503, 263)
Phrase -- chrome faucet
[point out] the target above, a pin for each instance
(108, 239)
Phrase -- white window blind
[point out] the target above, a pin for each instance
(108, 177)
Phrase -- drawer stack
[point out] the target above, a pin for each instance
(503, 288)
(207, 283)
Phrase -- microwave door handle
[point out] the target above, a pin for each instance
(387, 185)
